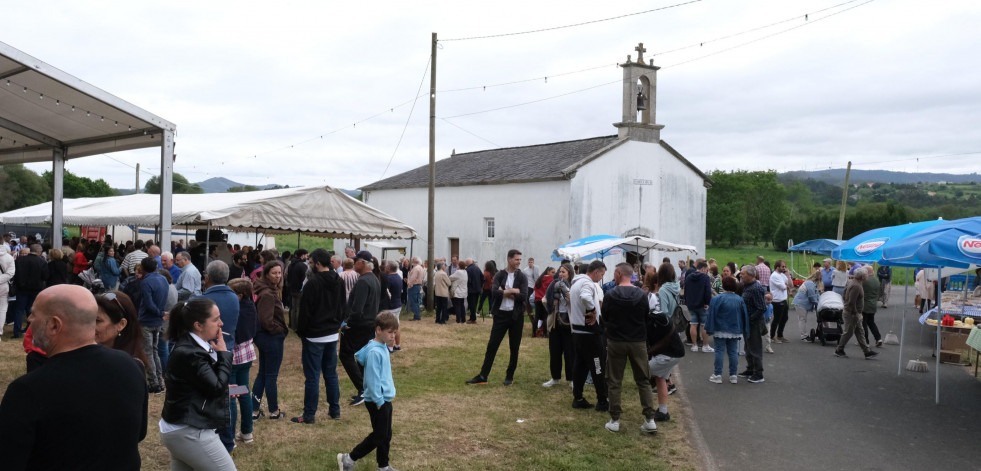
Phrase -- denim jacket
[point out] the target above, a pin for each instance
(727, 313)
(807, 296)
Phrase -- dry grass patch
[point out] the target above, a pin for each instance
(441, 424)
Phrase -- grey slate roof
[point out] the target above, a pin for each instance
(540, 162)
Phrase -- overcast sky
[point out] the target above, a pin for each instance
(252, 86)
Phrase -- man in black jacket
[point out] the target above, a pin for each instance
(295, 275)
(42, 424)
(509, 294)
(698, 294)
(625, 309)
(30, 277)
(362, 307)
(322, 309)
(475, 283)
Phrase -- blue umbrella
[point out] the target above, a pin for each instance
(584, 241)
(818, 246)
(949, 244)
(867, 247)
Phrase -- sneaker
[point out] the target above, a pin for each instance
(840, 353)
(649, 427)
(708, 349)
(746, 374)
(508, 381)
(551, 382)
(694, 348)
(357, 401)
(602, 406)
(717, 379)
(783, 340)
(884, 306)
(301, 420)
(613, 425)
(672, 389)
(661, 416)
(397, 348)
(244, 437)
(768, 349)
(733, 379)
(756, 378)
(805, 339)
(878, 344)
(871, 354)
(742, 354)
(387, 468)
(477, 380)
(344, 462)
(278, 415)
(581, 403)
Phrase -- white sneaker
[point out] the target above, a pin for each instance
(551, 382)
(344, 462)
(649, 427)
(717, 379)
(708, 349)
(768, 349)
(613, 425)
(733, 379)
(694, 348)
(245, 437)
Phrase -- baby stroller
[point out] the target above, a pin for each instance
(91, 281)
(829, 320)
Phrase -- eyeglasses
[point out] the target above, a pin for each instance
(112, 297)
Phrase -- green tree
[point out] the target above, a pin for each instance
(243, 188)
(80, 187)
(181, 185)
(21, 187)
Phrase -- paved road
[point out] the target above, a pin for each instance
(816, 411)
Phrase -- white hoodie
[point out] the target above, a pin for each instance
(585, 296)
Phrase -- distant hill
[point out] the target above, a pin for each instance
(837, 175)
(222, 184)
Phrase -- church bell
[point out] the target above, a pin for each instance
(641, 101)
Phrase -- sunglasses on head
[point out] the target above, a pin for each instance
(112, 297)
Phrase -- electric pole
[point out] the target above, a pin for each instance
(844, 201)
(430, 247)
(137, 189)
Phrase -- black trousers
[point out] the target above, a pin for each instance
(380, 438)
(540, 316)
(485, 295)
(505, 322)
(589, 357)
(351, 341)
(560, 351)
(754, 347)
(868, 320)
(472, 304)
(780, 316)
(458, 310)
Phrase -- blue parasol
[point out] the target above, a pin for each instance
(948, 244)
(867, 247)
(818, 246)
(585, 241)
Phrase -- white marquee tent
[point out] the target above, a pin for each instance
(317, 210)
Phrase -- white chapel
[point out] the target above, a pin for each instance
(630, 183)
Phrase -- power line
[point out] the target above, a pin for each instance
(407, 119)
(533, 79)
(533, 101)
(570, 26)
(470, 133)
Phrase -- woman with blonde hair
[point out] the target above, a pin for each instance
(840, 277)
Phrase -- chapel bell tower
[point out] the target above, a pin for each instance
(639, 99)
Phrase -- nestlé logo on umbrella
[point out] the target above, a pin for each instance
(869, 246)
(970, 245)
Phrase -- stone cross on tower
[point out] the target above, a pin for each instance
(640, 52)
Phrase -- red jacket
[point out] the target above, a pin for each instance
(29, 342)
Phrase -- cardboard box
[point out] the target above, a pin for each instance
(951, 357)
(955, 341)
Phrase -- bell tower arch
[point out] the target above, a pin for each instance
(639, 99)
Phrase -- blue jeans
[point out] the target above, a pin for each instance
(725, 347)
(270, 359)
(415, 299)
(240, 375)
(163, 350)
(152, 337)
(22, 308)
(320, 358)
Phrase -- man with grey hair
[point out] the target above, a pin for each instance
(852, 314)
(30, 277)
(40, 423)
(167, 262)
(335, 263)
(390, 269)
(216, 289)
(417, 276)
(871, 287)
(189, 281)
(754, 295)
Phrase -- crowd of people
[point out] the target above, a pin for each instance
(192, 325)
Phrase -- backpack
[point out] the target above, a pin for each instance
(549, 297)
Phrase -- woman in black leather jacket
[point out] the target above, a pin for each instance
(197, 388)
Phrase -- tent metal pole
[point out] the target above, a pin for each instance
(938, 305)
(207, 245)
(297, 240)
(902, 326)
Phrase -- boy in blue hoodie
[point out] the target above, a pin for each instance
(379, 390)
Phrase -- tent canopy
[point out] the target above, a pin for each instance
(318, 210)
(638, 244)
(818, 246)
(584, 241)
(947, 244)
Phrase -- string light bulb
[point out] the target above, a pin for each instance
(102, 118)
(88, 113)
(73, 108)
(57, 102)
(25, 89)
(41, 96)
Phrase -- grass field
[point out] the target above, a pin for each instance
(441, 424)
(801, 263)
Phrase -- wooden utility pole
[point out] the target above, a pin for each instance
(137, 179)
(430, 247)
(844, 201)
